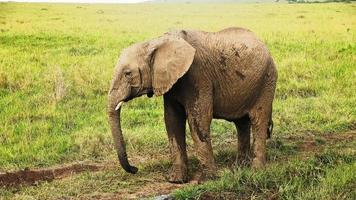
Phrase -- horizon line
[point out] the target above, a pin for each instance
(75, 1)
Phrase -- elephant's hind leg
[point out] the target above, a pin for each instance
(243, 126)
(175, 118)
(260, 117)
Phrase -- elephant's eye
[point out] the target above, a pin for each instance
(127, 74)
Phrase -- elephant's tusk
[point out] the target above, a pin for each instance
(119, 105)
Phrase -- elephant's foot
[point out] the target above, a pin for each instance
(258, 163)
(178, 175)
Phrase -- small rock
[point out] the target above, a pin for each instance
(164, 197)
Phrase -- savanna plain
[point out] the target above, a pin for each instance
(56, 63)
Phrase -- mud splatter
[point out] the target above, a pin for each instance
(242, 76)
(237, 54)
(30, 177)
(222, 59)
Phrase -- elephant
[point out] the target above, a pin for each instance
(228, 75)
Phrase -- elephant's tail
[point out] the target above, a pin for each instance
(270, 128)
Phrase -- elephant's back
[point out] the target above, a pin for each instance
(238, 36)
(234, 30)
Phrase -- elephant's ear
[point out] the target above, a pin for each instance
(171, 59)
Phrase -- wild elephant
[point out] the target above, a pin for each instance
(228, 75)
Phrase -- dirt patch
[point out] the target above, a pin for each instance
(154, 189)
(312, 143)
(348, 136)
(308, 146)
(30, 177)
(149, 190)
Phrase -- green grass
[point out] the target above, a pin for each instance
(325, 176)
(72, 49)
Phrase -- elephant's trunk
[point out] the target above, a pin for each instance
(114, 121)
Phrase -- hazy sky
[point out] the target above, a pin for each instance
(80, 1)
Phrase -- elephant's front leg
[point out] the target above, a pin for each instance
(175, 118)
(200, 114)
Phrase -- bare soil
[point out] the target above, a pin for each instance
(148, 190)
(311, 143)
(31, 177)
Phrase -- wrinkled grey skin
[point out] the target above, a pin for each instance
(225, 75)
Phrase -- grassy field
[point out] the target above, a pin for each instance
(56, 62)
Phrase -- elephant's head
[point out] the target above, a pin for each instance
(150, 67)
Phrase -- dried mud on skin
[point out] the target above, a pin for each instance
(30, 177)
